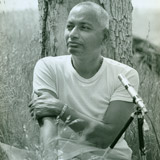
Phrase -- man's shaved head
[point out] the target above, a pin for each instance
(102, 15)
(87, 25)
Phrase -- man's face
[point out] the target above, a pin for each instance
(83, 33)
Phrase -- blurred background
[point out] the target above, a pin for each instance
(145, 16)
(145, 20)
(20, 49)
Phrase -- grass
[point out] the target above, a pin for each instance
(20, 49)
(19, 43)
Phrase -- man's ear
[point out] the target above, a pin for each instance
(105, 34)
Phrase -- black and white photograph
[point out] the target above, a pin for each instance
(79, 80)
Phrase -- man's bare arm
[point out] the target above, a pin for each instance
(100, 134)
(48, 129)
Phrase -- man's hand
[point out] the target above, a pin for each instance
(44, 105)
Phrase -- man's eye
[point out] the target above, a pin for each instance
(85, 28)
(70, 27)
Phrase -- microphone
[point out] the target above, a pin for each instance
(136, 98)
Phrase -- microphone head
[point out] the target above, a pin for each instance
(120, 77)
(123, 80)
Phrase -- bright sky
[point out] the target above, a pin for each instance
(148, 4)
(6, 5)
(145, 23)
(24, 4)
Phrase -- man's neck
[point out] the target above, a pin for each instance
(87, 67)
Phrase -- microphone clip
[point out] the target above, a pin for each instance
(136, 98)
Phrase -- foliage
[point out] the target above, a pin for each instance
(146, 53)
(145, 60)
(20, 49)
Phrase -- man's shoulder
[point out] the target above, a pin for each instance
(51, 62)
(113, 64)
(115, 68)
(51, 59)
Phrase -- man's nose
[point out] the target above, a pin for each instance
(74, 33)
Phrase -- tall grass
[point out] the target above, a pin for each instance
(19, 51)
(19, 43)
(145, 62)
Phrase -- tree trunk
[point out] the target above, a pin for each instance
(53, 15)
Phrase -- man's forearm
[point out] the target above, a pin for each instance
(94, 131)
(77, 120)
(48, 135)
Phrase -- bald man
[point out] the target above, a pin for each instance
(78, 100)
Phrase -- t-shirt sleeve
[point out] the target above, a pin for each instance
(120, 92)
(44, 76)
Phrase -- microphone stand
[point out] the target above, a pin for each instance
(140, 112)
(140, 116)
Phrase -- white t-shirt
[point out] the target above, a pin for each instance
(88, 96)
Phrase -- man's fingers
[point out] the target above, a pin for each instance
(34, 101)
(31, 109)
(32, 113)
(38, 93)
(36, 114)
(30, 104)
(33, 98)
(37, 104)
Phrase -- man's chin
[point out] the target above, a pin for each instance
(75, 52)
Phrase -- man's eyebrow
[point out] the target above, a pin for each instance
(86, 23)
(70, 22)
(81, 23)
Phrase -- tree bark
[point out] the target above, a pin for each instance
(53, 16)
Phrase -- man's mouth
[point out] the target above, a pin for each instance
(73, 44)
